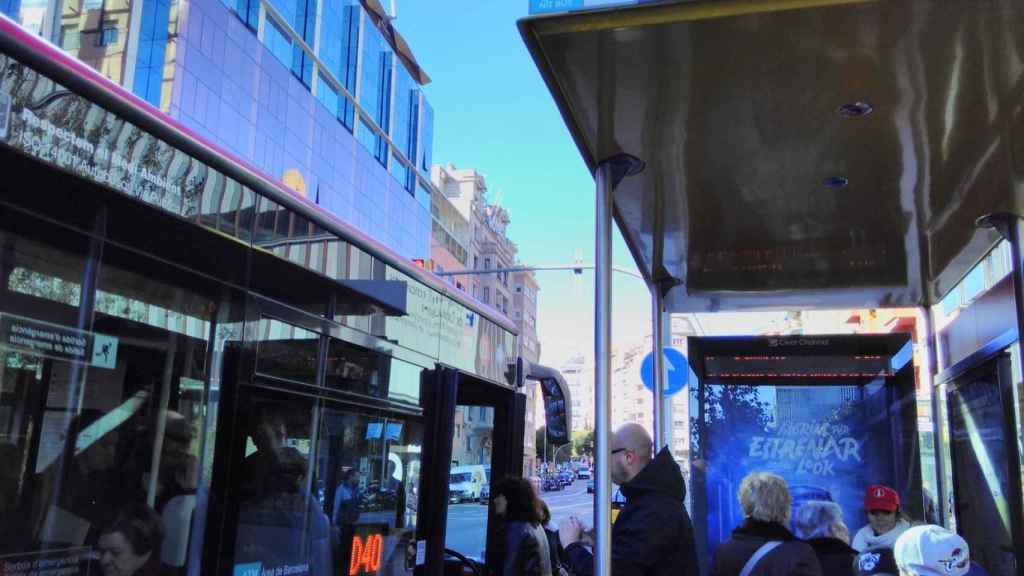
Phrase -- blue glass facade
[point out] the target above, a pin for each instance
(242, 77)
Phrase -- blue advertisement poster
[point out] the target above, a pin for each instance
(828, 441)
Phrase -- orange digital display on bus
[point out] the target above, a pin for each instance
(367, 551)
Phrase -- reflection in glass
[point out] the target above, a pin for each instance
(286, 351)
(114, 428)
(980, 476)
(469, 480)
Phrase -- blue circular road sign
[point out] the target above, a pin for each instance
(677, 371)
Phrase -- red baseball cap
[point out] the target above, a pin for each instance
(881, 497)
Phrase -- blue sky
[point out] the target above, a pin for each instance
(493, 113)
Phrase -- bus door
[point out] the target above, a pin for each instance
(320, 449)
(474, 435)
(982, 455)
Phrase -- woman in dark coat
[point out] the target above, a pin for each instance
(761, 545)
(526, 550)
(821, 525)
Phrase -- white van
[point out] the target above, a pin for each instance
(466, 482)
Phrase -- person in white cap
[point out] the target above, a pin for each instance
(931, 550)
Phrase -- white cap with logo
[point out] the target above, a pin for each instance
(931, 550)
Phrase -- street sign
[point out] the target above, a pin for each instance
(677, 371)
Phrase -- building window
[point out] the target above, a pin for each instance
(476, 262)
(277, 41)
(249, 12)
(69, 37)
(487, 263)
(149, 66)
(487, 295)
(107, 35)
(375, 90)
(339, 40)
(519, 289)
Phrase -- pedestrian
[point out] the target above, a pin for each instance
(885, 519)
(555, 550)
(652, 534)
(821, 525)
(762, 545)
(525, 543)
(930, 550)
(129, 544)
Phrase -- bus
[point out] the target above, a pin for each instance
(815, 155)
(202, 370)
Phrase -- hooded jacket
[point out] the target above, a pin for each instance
(652, 534)
(835, 556)
(792, 558)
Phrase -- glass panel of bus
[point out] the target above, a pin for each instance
(469, 480)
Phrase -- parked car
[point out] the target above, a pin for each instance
(485, 493)
(590, 486)
(566, 478)
(551, 483)
(583, 473)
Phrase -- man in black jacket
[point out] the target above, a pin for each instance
(652, 534)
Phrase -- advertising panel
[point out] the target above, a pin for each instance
(828, 441)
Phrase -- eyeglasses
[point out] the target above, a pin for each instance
(880, 512)
(617, 450)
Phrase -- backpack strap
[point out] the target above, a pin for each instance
(758, 555)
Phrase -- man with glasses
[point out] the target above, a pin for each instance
(652, 534)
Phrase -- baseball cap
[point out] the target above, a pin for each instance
(931, 550)
(881, 497)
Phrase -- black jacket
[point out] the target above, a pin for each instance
(652, 534)
(793, 558)
(522, 550)
(835, 556)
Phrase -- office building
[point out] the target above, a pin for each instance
(324, 96)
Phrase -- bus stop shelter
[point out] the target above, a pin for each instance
(782, 154)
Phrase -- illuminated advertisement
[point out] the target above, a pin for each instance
(826, 414)
(824, 440)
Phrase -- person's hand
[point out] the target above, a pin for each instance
(569, 531)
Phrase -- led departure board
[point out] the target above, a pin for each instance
(797, 366)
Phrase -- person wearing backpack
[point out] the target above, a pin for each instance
(762, 545)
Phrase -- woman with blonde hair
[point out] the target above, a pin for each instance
(762, 545)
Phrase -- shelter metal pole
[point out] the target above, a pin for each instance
(926, 338)
(602, 363)
(658, 356)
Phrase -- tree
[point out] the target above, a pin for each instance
(583, 442)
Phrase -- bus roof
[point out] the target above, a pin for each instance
(89, 83)
(798, 153)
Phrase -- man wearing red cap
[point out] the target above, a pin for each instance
(885, 522)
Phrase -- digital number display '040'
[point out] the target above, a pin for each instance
(367, 550)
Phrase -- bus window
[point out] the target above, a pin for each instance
(469, 480)
(104, 389)
(370, 471)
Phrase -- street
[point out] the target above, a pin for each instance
(467, 523)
